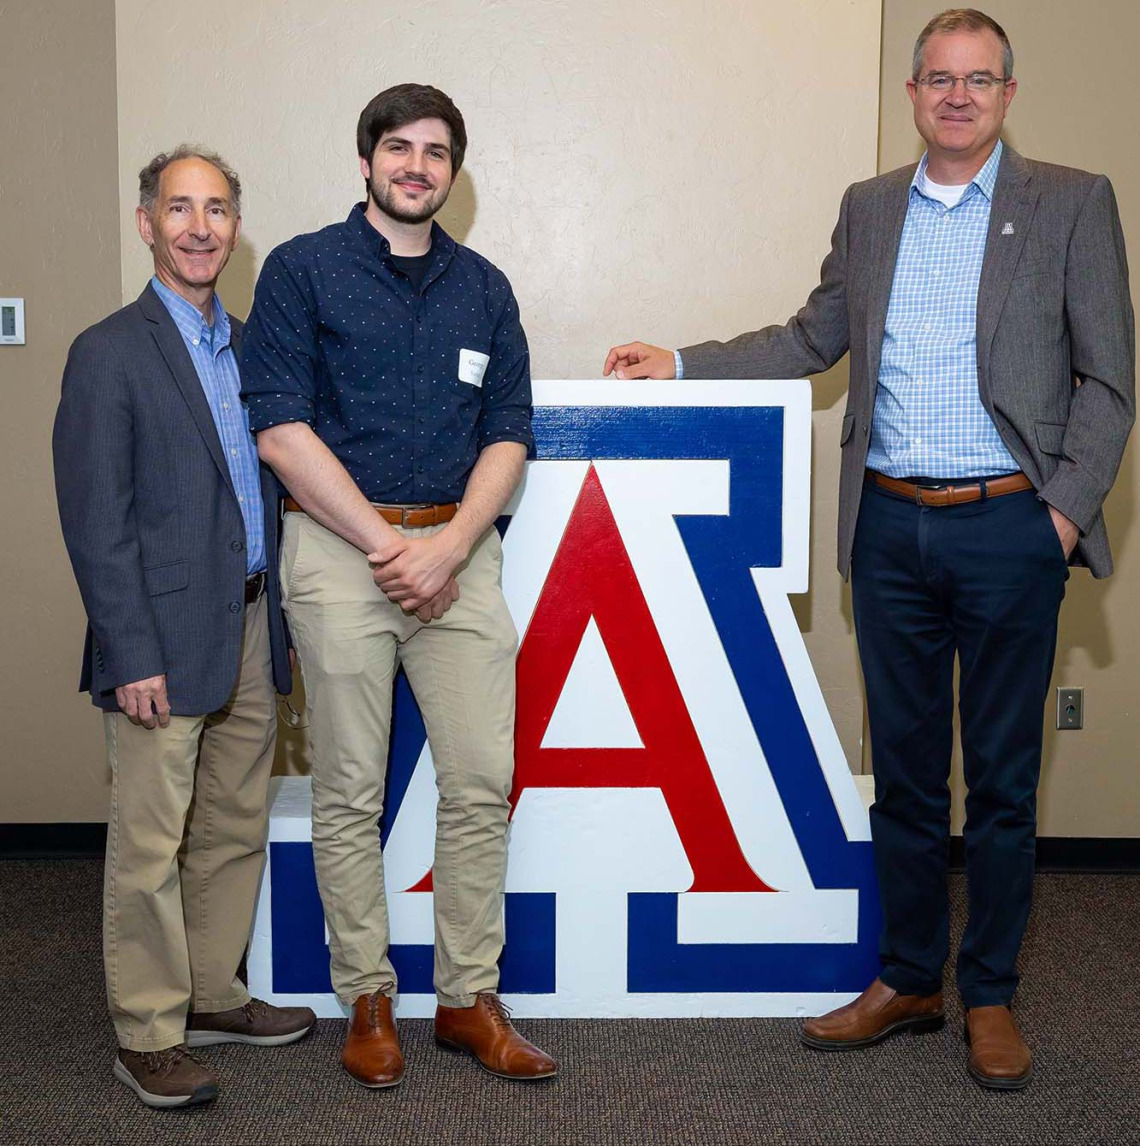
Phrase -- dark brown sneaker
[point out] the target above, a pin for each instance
(999, 1058)
(879, 1012)
(485, 1032)
(166, 1078)
(257, 1024)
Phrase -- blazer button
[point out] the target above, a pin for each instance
(236, 546)
(235, 607)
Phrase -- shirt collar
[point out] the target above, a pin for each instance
(442, 244)
(984, 180)
(191, 322)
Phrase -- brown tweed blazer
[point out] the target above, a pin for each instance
(1055, 334)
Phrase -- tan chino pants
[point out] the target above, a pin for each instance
(350, 641)
(185, 846)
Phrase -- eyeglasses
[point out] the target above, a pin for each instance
(943, 82)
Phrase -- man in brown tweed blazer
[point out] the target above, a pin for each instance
(984, 300)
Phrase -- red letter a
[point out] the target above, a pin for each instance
(592, 576)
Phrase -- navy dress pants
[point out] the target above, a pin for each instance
(983, 582)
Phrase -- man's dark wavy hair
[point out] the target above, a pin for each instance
(405, 103)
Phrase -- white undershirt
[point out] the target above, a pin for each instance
(949, 195)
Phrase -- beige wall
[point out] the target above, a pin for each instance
(674, 187)
(59, 249)
(1068, 58)
(671, 187)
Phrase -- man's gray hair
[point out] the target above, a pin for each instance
(963, 20)
(152, 172)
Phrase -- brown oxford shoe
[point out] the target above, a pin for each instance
(999, 1058)
(485, 1031)
(371, 1051)
(879, 1012)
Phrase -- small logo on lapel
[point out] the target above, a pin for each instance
(1007, 229)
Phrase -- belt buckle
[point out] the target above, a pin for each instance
(920, 486)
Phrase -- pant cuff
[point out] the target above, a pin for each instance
(908, 986)
(987, 997)
(210, 1007)
(153, 1042)
(458, 1001)
(387, 986)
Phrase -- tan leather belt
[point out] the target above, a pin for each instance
(409, 516)
(952, 494)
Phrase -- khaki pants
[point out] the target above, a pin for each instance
(350, 640)
(185, 845)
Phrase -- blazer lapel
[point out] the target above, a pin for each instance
(177, 357)
(1015, 199)
(882, 257)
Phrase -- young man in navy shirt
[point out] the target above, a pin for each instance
(388, 381)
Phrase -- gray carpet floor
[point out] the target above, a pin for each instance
(643, 1081)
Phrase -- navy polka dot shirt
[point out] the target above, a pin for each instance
(405, 386)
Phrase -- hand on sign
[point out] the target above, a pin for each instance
(640, 360)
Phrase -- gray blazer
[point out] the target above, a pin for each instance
(150, 517)
(1055, 333)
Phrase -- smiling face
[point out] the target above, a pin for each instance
(960, 126)
(192, 229)
(409, 176)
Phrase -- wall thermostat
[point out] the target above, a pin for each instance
(11, 322)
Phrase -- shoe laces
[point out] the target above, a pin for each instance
(253, 1009)
(374, 1001)
(164, 1061)
(500, 1012)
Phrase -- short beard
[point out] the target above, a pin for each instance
(384, 200)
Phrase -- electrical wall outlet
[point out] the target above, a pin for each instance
(1070, 708)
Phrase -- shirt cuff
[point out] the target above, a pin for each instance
(270, 410)
(678, 365)
(490, 434)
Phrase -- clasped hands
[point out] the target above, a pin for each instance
(418, 574)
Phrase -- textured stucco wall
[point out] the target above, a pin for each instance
(59, 249)
(1062, 113)
(668, 172)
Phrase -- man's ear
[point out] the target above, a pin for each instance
(146, 230)
(365, 169)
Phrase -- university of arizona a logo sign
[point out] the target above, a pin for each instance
(686, 837)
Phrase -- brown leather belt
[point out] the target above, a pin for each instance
(254, 587)
(952, 494)
(409, 516)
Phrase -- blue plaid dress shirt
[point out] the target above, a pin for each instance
(929, 420)
(217, 370)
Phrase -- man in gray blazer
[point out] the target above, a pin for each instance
(171, 526)
(984, 300)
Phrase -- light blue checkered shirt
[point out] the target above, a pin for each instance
(217, 370)
(929, 420)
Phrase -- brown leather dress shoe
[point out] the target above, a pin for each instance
(166, 1078)
(879, 1012)
(371, 1051)
(485, 1031)
(999, 1058)
(257, 1024)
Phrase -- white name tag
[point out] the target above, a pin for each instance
(472, 366)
